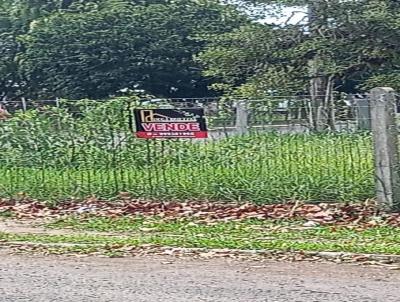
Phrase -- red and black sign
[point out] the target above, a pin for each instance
(170, 123)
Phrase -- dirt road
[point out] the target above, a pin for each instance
(153, 279)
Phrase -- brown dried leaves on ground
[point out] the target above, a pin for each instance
(323, 213)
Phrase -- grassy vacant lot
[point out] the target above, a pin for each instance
(261, 168)
(114, 234)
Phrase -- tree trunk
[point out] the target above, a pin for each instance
(318, 81)
(330, 104)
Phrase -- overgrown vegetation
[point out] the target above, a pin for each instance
(87, 148)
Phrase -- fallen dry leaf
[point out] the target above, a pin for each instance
(363, 215)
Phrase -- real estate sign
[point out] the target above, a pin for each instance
(170, 123)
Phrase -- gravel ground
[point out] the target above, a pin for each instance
(153, 279)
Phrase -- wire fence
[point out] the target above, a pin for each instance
(258, 150)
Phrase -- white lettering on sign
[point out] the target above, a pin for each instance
(151, 127)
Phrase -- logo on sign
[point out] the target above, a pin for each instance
(170, 123)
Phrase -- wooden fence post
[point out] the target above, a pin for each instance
(386, 153)
(241, 124)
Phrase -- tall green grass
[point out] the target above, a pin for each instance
(54, 153)
(258, 167)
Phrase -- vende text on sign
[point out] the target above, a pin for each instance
(170, 123)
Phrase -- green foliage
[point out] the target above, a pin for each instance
(352, 42)
(389, 79)
(8, 51)
(118, 45)
(82, 148)
(78, 49)
(82, 128)
(256, 58)
(8, 65)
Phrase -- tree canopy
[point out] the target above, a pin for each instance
(179, 48)
(355, 44)
(80, 49)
